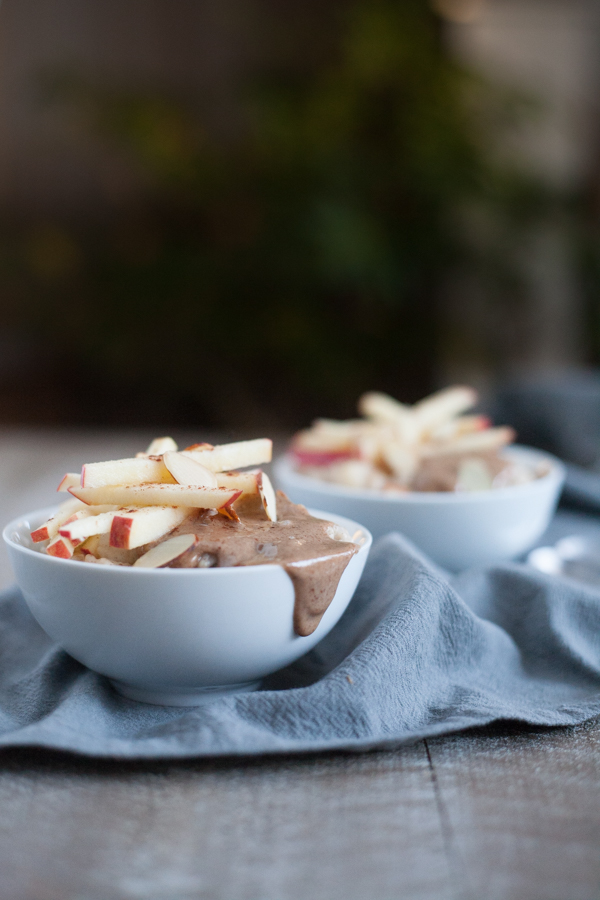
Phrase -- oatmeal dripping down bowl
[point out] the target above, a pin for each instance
(174, 637)
(180, 592)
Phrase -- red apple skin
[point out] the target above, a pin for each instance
(63, 528)
(60, 549)
(67, 534)
(41, 533)
(120, 531)
(200, 447)
(229, 504)
(321, 458)
(59, 488)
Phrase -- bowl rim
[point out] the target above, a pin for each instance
(216, 571)
(554, 478)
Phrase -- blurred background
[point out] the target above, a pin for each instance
(241, 214)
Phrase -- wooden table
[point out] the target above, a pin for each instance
(502, 813)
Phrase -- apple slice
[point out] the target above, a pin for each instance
(202, 446)
(71, 479)
(267, 496)
(324, 439)
(188, 471)
(385, 411)
(382, 407)
(401, 460)
(225, 457)
(442, 406)
(81, 529)
(60, 547)
(246, 482)
(321, 457)
(134, 527)
(157, 495)
(90, 545)
(50, 528)
(167, 552)
(460, 426)
(46, 531)
(160, 446)
(125, 471)
(82, 512)
(477, 442)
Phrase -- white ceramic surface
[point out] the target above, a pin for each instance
(457, 530)
(172, 636)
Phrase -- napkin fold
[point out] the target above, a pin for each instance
(416, 654)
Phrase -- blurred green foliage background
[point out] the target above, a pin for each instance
(271, 271)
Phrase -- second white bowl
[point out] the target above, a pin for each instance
(457, 530)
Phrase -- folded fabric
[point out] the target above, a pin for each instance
(416, 654)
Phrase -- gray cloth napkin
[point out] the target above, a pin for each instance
(416, 654)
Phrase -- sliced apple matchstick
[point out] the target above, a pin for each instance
(80, 530)
(90, 545)
(57, 523)
(71, 479)
(138, 470)
(146, 469)
(63, 548)
(158, 495)
(159, 489)
(403, 461)
(225, 457)
(460, 426)
(246, 482)
(488, 440)
(443, 406)
(159, 446)
(383, 408)
(60, 547)
(186, 470)
(50, 528)
(135, 527)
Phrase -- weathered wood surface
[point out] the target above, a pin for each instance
(521, 811)
(496, 815)
(340, 828)
(499, 814)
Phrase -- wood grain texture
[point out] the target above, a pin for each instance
(499, 814)
(521, 811)
(325, 828)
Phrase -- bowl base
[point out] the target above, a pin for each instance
(189, 697)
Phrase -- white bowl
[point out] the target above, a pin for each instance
(172, 636)
(456, 530)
